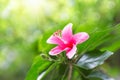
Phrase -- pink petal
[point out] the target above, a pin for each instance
(56, 50)
(55, 40)
(72, 52)
(67, 32)
(80, 37)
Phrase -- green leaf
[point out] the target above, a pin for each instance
(99, 75)
(107, 37)
(76, 74)
(56, 72)
(93, 59)
(96, 39)
(39, 65)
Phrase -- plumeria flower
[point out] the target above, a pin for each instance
(66, 41)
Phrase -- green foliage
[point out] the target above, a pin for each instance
(93, 59)
(98, 75)
(102, 38)
(39, 66)
(61, 70)
(56, 72)
(89, 56)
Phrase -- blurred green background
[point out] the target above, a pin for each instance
(22, 22)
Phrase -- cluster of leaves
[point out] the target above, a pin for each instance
(82, 69)
(84, 66)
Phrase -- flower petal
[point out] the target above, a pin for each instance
(56, 50)
(72, 52)
(80, 37)
(67, 32)
(55, 40)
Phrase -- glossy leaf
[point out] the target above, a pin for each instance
(93, 59)
(39, 65)
(99, 75)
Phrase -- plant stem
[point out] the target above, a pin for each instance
(70, 71)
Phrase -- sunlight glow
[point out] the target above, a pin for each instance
(34, 6)
(11, 6)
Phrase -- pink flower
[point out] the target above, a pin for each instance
(66, 41)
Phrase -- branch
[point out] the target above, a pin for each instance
(70, 71)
